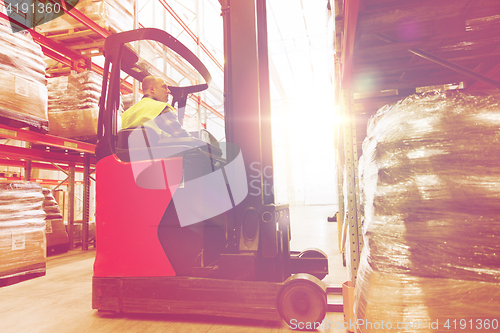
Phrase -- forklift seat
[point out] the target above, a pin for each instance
(123, 142)
(122, 138)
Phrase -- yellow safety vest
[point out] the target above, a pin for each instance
(142, 112)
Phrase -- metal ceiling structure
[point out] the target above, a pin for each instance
(392, 49)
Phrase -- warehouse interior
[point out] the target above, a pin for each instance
(366, 129)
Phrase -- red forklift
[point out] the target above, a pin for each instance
(177, 230)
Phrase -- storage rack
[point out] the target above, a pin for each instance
(56, 151)
(388, 50)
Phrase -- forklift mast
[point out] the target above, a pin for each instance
(247, 110)
(247, 105)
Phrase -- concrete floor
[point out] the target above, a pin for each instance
(60, 301)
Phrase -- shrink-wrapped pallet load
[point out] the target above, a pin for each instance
(22, 230)
(74, 105)
(431, 181)
(23, 91)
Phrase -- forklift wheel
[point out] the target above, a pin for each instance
(302, 301)
(314, 253)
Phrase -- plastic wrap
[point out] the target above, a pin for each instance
(109, 14)
(406, 303)
(22, 229)
(431, 182)
(23, 91)
(78, 124)
(50, 206)
(74, 105)
(21, 56)
(347, 244)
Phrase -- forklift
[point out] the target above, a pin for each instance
(177, 230)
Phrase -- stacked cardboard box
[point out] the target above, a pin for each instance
(74, 105)
(22, 229)
(432, 201)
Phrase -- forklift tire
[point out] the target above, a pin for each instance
(301, 301)
(314, 253)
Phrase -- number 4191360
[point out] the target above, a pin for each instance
(25, 8)
(479, 324)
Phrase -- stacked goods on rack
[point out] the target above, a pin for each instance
(57, 238)
(432, 204)
(23, 93)
(113, 15)
(22, 230)
(74, 105)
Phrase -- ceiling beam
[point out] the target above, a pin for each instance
(391, 18)
(456, 68)
(394, 48)
(479, 84)
(387, 83)
(391, 67)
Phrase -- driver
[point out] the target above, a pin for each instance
(154, 112)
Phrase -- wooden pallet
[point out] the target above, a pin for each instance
(31, 272)
(57, 69)
(19, 278)
(15, 120)
(85, 42)
(80, 38)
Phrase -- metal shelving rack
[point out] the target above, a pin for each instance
(61, 152)
(346, 145)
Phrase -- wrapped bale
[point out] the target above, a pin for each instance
(22, 230)
(431, 184)
(57, 238)
(74, 105)
(23, 93)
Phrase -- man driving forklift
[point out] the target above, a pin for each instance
(154, 112)
(178, 233)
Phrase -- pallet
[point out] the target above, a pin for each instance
(24, 121)
(22, 276)
(80, 38)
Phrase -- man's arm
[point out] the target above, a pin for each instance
(168, 122)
